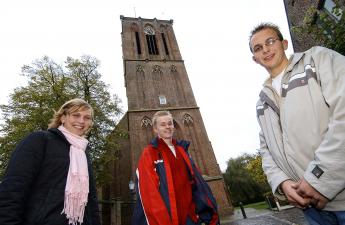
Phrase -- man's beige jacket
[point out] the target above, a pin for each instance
(303, 130)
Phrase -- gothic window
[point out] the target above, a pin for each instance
(146, 122)
(173, 68)
(187, 119)
(137, 39)
(140, 68)
(162, 100)
(156, 69)
(151, 40)
(134, 29)
(152, 44)
(165, 44)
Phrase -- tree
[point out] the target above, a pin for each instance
(50, 85)
(323, 28)
(254, 168)
(243, 187)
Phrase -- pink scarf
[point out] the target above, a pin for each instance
(77, 185)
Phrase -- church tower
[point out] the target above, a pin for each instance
(156, 79)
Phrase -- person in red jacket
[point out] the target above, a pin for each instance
(171, 191)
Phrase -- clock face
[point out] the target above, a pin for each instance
(149, 30)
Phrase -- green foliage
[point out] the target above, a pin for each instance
(324, 28)
(241, 177)
(49, 85)
(254, 168)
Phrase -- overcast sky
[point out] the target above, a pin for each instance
(212, 36)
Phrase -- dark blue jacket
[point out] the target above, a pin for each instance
(32, 191)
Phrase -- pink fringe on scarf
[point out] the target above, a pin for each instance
(77, 185)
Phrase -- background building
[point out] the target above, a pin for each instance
(296, 11)
(156, 79)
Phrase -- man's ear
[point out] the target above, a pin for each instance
(254, 59)
(285, 44)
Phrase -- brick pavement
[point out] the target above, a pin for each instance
(291, 216)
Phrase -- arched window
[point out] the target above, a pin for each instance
(134, 28)
(151, 40)
(173, 68)
(146, 122)
(187, 119)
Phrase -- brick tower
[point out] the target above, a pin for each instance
(156, 79)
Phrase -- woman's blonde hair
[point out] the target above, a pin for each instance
(70, 106)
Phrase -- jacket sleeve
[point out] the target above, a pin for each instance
(326, 173)
(275, 175)
(205, 203)
(153, 204)
(92, 198)
(23, 168)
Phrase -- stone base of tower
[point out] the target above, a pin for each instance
(222, 197)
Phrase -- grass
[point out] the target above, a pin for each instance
(257, 205)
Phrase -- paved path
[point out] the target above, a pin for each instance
(292, 216)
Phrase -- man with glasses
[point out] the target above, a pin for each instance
(301, 112)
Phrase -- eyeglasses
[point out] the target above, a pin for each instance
(269, 42)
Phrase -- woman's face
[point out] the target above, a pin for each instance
(77, 122)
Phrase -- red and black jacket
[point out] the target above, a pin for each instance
(156, 203)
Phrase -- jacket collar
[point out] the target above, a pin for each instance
(294, 59)
(183, 143)
(156, 141)
(58, 133)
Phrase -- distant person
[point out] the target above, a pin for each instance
(170, 189)
(301, 112)
(49, 178)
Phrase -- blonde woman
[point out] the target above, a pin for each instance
(49, 178)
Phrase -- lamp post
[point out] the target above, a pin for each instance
(131, 186)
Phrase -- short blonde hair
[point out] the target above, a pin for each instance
(68, 107)
(160, 114)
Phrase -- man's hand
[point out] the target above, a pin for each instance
(289, 188)
(317, 200)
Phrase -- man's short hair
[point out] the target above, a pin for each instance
(263, 26)
(160, 114)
